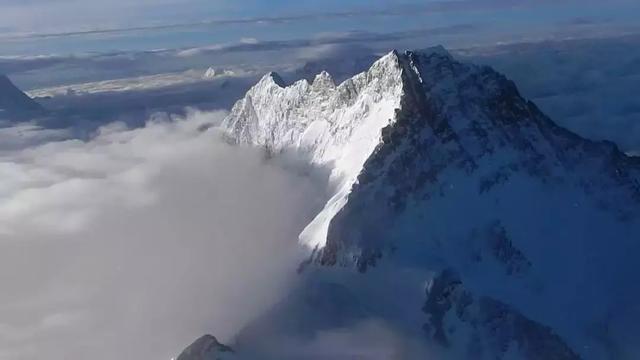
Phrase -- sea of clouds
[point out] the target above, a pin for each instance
(137, 241)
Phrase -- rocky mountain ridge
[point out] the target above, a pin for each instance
(524, 233)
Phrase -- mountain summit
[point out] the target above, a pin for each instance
(14, 102)
(206, 347)
(522, 235)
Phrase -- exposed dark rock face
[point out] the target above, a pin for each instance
(471, 119)
(206, 347)
(496, 329)
(496, 241)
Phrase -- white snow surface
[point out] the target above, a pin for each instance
(337, 126)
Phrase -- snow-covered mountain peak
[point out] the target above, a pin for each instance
(206, 347)
(474, 177)
(272, 78)
(323, 80)
(443, 167)
(338, 126)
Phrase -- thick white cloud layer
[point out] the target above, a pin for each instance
(132, 244)
(371, 339)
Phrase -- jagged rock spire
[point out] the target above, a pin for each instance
(324, 79)
(206, 347)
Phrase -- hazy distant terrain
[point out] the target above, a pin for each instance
(587, 85)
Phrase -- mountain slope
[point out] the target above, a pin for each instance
(336, 126)
(206, 347)
(14, 102)
(444, 174)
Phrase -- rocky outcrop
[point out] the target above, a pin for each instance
(493, 329)
(206, 347)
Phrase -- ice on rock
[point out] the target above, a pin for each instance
(338, 126)
(14, 102)
(324, 81)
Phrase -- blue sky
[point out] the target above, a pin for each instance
(70, 26)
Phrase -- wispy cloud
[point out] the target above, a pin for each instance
(386, 10)
(395, 11)
(329, 39)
